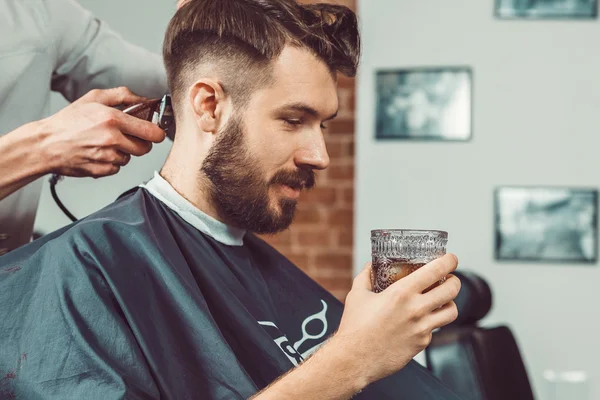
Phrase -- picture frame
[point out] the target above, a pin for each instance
(424, 104)
(546, 224)
(546, 9)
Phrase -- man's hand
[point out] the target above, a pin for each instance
(386, 330)
(378, 335)
(91, 138)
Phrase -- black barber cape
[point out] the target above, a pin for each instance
(135, 303)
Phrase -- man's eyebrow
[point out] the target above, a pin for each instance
(306, 109)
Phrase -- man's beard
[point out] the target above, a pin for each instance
(238, 190)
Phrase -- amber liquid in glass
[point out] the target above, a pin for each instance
(387, 271)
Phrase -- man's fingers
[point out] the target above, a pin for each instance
(113, 97)
(442, 294)
(433, 272)
(443, 316)
(363, 279)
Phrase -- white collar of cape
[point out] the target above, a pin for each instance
(223, 233)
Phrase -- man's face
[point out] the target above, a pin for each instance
(268, 151)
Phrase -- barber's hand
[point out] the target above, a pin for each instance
(91, 138)
(386, 330)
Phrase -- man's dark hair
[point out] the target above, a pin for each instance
(239, 38)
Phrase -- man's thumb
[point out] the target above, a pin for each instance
(363, 279)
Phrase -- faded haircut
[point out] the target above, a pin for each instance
(240, 39)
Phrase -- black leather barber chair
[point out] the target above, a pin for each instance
(478, 363)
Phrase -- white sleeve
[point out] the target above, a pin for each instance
(89, 55)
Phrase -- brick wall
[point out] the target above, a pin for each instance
(321, 238)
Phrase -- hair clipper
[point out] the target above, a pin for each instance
(157, 111)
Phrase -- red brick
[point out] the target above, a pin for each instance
(283, 249)
(320, 195)
(320, 271)
(283, 238)
(334, 261)
(340, 147)
(341, 126)
(340, 135)
(347, 195)
(345, 103)
(315, 238)
(342, 217)
(324, 219)
(349, 149)
(340, 294)
(346, 82)
(348, 3)
(346, 237)
(300, 260)
(334, 284)
(336, 149)
(268, 239)
(320, 176)
(341, 172)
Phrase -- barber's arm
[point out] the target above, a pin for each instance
(77, 140)
(87, 138)
(379, 334)
(91, 56)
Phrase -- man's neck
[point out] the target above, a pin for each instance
(192, 187)
(163, 191)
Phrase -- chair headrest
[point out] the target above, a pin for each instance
(474, 300)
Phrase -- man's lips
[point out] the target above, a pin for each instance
(291, 192)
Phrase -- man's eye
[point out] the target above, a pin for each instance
(292, 122)
(298, 122)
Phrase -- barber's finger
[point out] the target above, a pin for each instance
(442, 294)
(443, 316)
(363, 279)
(122, 159)
(132, 145)
(99, 169)
(113, 97)
(110, 155)
(139, 128)
(431, 273)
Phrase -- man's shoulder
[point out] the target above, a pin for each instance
(271, 259)
(123, 218)
(261, 247)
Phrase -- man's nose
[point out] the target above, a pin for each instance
(313, 154)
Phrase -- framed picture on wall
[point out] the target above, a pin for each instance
(546, 224)
(424, 104)
(546, 9)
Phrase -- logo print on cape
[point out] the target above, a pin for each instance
(292, 352)
(320, 316)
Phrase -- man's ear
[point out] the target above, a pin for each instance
(208, 101)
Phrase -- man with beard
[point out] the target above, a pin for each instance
(167, 293)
